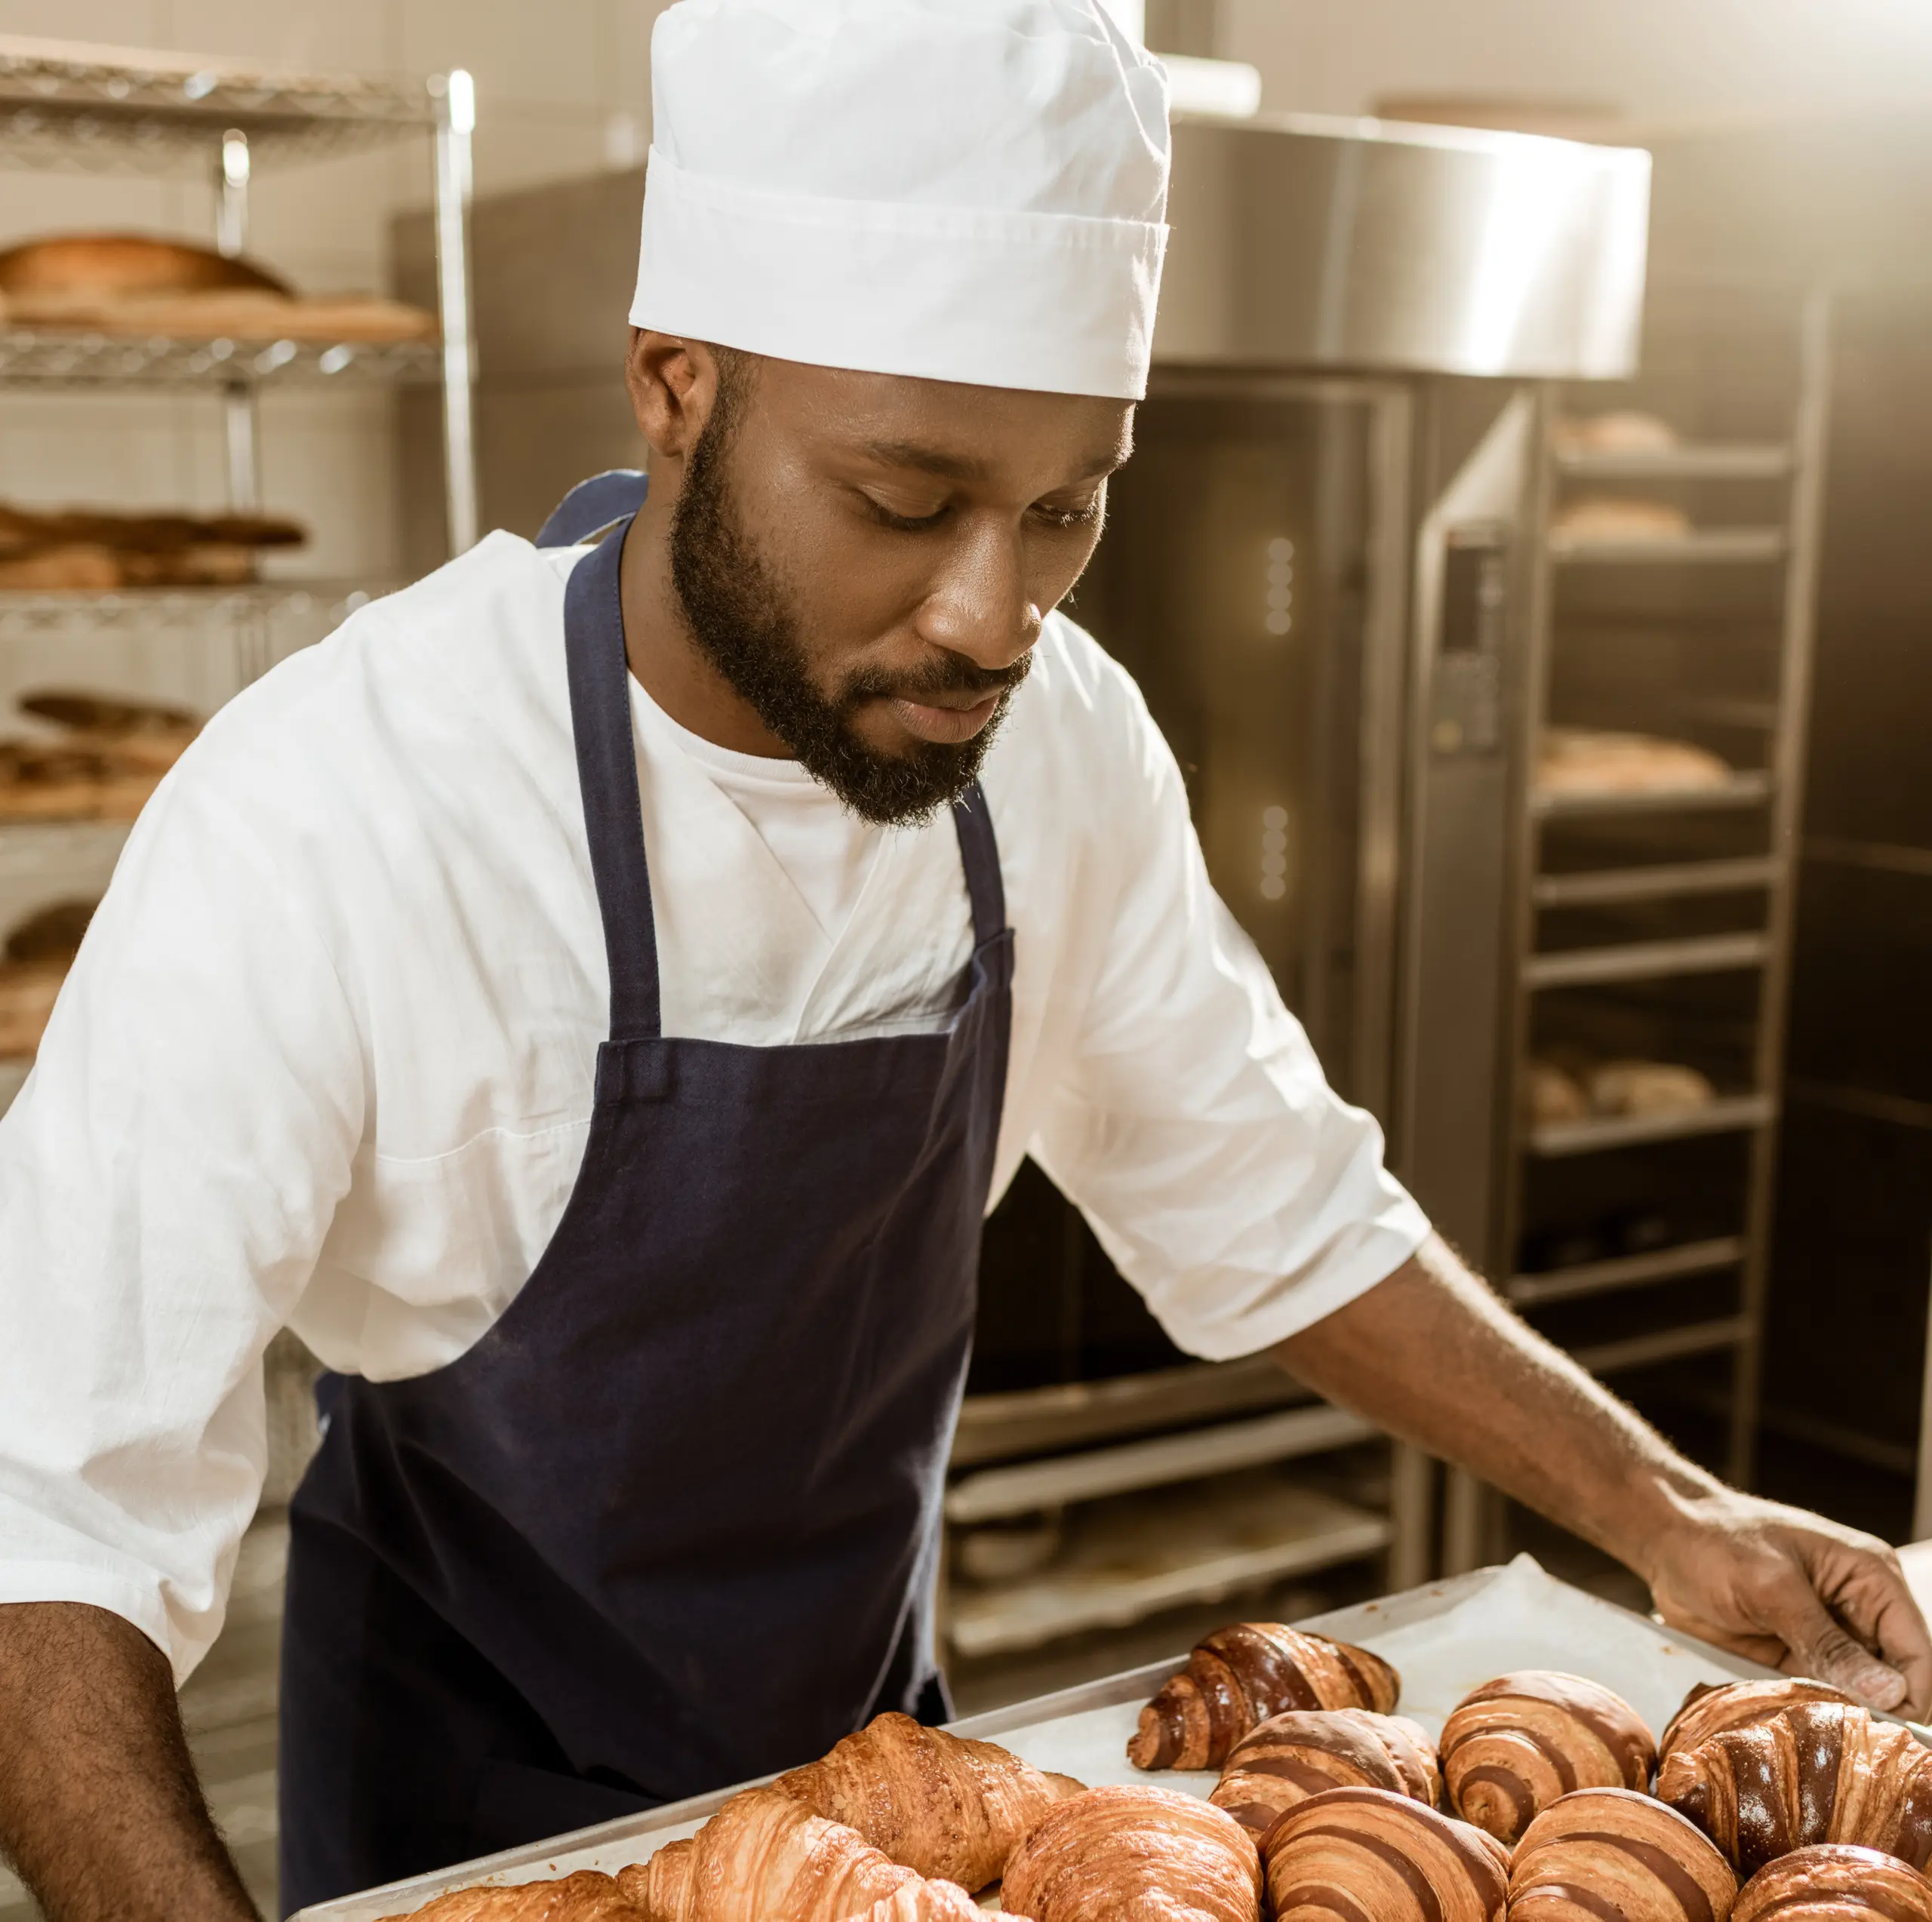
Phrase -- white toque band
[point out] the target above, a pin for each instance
(968, 190)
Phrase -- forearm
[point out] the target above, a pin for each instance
(1432, 1355)
(99, 1809)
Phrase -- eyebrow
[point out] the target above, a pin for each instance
(965, 467)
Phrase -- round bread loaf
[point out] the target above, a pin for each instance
(1369, 1854)
(1308, 1751)
(121, 264)
(1604, 1854)
(1514, 1746)
(1834, 1883)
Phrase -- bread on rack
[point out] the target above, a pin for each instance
(141, 733)
(1822, 1772)
(1578, 761)
(1369, 1854)
(1513, 1746)
(938, 1803)
(1622, 431)
(1649, 1087)
(110, 265)
(1835, 1883)
(1240, 1677)
(39, 952)
(1152, 1855)
(56, 781)
(1608, 516)
(586, 1896)
(93, 549)
(1617, 1847)
(1292, 1757)
(1712, 1707)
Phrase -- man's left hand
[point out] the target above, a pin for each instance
(1797, 1592)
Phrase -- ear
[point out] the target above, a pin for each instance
(673, 385)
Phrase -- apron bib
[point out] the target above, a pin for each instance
(673, 1522)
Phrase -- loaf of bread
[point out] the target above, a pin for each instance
(1597, 761)
(1240, 1677)
(1369, 1854)
(1149, 1854)
(1822, 1772)
(150, 734)
(122, 265)
(1831, 1884)
(1648, 1087)
(1614, 1852)
(1292, 1757)
(1512, 1747)
(1616, 517)
(1622, 430)
(57, 781)
(1552, 1094)
(1712, 1707)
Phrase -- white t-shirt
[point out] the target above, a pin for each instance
(326, 1057)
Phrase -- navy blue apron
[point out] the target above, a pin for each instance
(673, 1521)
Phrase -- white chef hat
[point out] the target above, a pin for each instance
(969, 190)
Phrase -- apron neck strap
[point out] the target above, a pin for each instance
(979, 855)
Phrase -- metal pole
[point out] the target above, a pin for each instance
(456, 121)
(231, 232)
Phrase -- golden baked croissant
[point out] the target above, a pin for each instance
(586, 1896)
(1616, 1847)
(1711, 1707)
(1834, 1883)
(1240, 1676)
(1512, 1746)
(1292, 1757)
(927, 1901)
(764, 1857)
(936, 1802)
(1149, 1855)
(1822, 1772)
(1370, 1854)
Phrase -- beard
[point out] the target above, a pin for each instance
(743, 622)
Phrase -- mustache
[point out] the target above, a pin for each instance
(947, 673)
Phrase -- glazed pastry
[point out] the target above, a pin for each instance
(1369, 1854)
(763, 1857)
(1834, 1882)
(1148, 1854)
(1512, 1746)
(1823, 1772)
(586, 1896)
(1240, 1676)
(930, 1800)
(1712, 1707)
(1616, 1846)
(1292, 1757)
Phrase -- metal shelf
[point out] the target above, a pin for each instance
(42, 357)
(1730, 1115)
(1716, 461)
(1719, 546)
(1032, 1486)
(1667, 1345)
(1130, 1560)
(179, 609)
(1605, 1277)
(1749, 789)
(66, 104)
(1597, 887)
(1647, 961)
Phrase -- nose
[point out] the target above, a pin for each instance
(981, 605)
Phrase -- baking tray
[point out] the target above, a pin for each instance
(1446, 1636)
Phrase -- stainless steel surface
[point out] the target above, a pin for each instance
(1602, 885)
(1610, 1276)
(1746, 790)
(1723, 546)
(453, 180)
(144, 609)
(1647, 961)
(1768, 462)
(1737, 1331)
(1730, 1115)
(1306, 242)
(50, 357)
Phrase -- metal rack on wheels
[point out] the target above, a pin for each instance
(1666, 905)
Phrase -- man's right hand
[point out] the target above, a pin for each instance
(100, 1809)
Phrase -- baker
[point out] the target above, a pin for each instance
(595, 998)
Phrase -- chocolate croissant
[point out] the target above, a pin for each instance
(931, 1801)
(1148, 1854)
(1614, 1852)
(1833, 1883)
(1370, 1854)
(1292, 1757)
(1822, 1772)
(1711, 1707)
(1511, 1748)
(1240, 1677)
(586, 1896)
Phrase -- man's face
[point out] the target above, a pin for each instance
(867, 561)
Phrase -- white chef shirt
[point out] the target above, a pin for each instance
(325, 1059)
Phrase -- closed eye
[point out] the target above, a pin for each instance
(1068, 518)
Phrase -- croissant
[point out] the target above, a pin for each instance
(1835, 1883)
(1512, 1746)
(1823, 1772)
(586, 1896)
(1150, 1855)
(1616, 1847)
(1238, 1677)
(1369, 1854)
(933, 1802)
(931, 1901)
(1711, 1707)
(1292, 1757)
